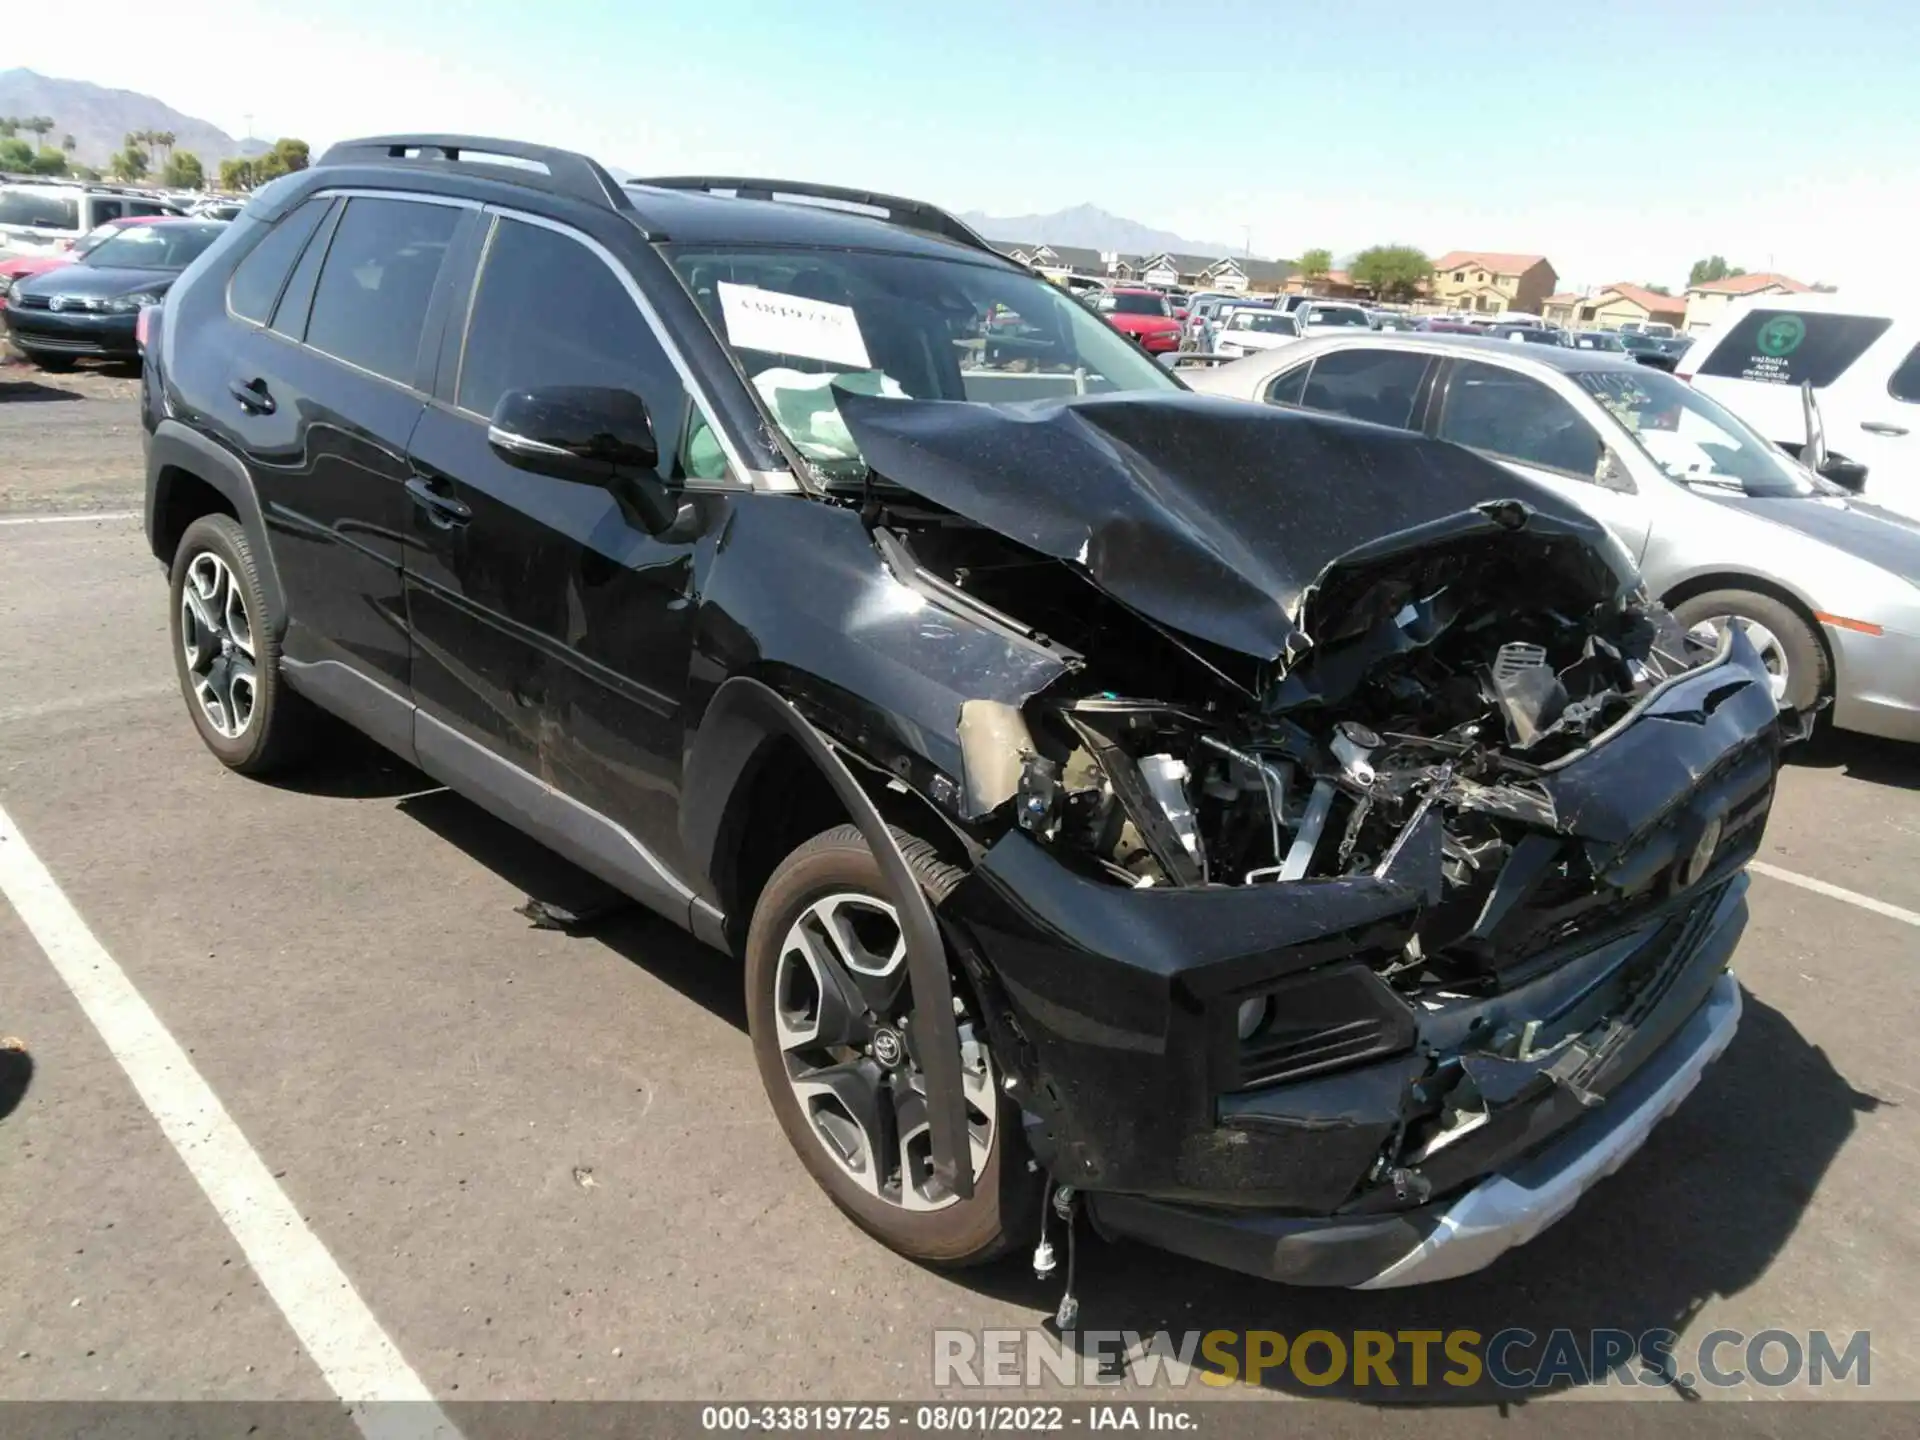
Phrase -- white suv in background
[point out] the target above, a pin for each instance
(1862, 361)
(46, 217)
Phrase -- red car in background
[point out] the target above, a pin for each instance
(1143, 314)
(19, 267)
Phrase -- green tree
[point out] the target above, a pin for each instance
(15, 154)
(1714, 267)
(9, 127)
(1656, 289)
(130, 164)
(183, 171)
(1314, 264)
(50, 161)
(40, 126)
(83, 172)
(68, 143)
(237, 175)
(163, 140)
(1391, 272)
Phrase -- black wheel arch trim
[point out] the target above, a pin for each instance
(744, 715)
(173, 447)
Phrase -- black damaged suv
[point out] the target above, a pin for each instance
(1292, 842)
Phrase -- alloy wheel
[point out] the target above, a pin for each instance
(1767, 644)
(216, 638)
(843, 1015)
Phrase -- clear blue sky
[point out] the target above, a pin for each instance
(1620, 139)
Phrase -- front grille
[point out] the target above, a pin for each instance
(33, 302)
(65, 344)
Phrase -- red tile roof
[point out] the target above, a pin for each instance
(1495, 262)
(1748, 284)
(1651, 301)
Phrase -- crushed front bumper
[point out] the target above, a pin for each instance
(1449, 1238)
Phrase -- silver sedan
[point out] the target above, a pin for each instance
(1726, 528)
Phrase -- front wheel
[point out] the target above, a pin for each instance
(1795, 659)
(831, 1011)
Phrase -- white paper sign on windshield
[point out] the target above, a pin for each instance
(784, 324)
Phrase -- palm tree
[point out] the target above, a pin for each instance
(39, 125)
(68, 143)
(164, 139)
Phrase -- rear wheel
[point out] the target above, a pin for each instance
(831, 1010)
(225, 655)
(57, 364)
(1794, 656)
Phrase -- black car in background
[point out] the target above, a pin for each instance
(92, 307)
(1661, 352)
(1264, 834)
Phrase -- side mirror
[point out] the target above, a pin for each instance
(589, 435)
(1848, 474)
(581, 433)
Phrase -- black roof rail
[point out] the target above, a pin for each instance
(559, 172)
(894, 209)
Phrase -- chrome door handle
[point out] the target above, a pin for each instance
(1881, 427)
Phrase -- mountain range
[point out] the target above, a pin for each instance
(99, 119)
(1094, 228)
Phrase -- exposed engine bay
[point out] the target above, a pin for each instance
(1433, 722)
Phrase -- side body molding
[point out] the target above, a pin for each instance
(743, 716)
(173, 448)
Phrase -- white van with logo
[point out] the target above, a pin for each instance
(1863, 363)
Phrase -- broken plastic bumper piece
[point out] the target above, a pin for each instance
(1531, 1190)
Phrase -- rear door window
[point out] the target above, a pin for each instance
(1517, 418)
(39, 210)
(1791, 347)
(1286, 389)
(1379, 386)
(257, 280)
(370, 306)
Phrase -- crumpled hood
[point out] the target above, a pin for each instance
(1213, 516)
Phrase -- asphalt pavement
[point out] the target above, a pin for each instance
(543, 1162)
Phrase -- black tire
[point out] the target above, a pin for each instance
(1809, 673)
(53, 364)
(1005, 1207)
(280, 721)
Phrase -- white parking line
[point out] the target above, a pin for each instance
(1835, 892)
(361, 1364)
(69, 519)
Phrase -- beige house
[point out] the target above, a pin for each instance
(1611, 306)
(1490, 282)
(1707, 302)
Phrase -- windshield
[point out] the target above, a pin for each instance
(1691, 438)
(94, 239)
(40, 209)
(1597, 342)
(1266, 322)
(798, 322)
(1125, 304)
(172, 246)
(1338, 315)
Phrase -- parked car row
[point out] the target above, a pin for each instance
(1204, 818)
(1722, 524)
(86, 301)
